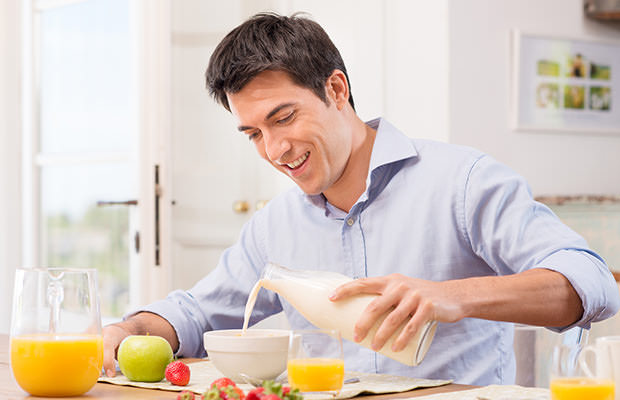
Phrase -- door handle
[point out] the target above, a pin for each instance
(117, 203)
(241, 206)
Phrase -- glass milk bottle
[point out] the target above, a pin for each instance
(309, 291)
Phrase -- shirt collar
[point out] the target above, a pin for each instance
(390, 146)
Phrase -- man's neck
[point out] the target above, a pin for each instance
(345, 193)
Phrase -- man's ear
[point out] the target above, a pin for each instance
(337, 89)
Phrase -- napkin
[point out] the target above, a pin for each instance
(204, 372)
(493, 392)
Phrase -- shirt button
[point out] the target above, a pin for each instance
(350, 221)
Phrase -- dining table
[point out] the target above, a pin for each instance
(9, 389)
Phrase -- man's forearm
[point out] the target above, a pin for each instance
(146, 323)
(534, 297)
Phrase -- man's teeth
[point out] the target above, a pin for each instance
(299, 161)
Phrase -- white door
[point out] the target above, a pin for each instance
(217, 179)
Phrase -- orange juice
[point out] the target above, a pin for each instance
(56, 365)
(316, 374)
(581, 389)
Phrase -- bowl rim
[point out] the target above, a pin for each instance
(228, 341)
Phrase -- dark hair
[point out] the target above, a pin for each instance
(268, 41)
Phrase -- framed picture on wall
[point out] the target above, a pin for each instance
(563, 84)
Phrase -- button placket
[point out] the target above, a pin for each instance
(347, 248)
(358, 261)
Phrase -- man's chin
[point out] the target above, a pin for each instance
(310, 191)
(304, 186)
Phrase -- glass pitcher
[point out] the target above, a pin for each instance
(56, 340)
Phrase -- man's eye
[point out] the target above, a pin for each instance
(253, 136)
(285, 119)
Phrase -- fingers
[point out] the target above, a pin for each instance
(403, 312)
(423, 314)
(390, 296)
(112, 337)
(405, 300)
(358, 286)
(108, 362)
(375, 310)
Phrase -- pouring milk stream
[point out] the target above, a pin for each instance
(308, 292)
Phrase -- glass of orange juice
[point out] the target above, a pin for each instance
(315, 360)
(56, 342)
(570, 382)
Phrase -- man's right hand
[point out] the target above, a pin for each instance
(113, 335)
(144, 323)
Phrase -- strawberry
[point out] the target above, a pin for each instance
(186, 395)
(275, 391)
(223, 382)
(177, 373)
(226, 393)
(224, 389)
(255, 394)
(240, 393)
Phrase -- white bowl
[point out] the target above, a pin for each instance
(259, 353)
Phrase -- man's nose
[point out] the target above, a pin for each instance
(275, 146)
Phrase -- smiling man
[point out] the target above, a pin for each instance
(323, 151)
(439, 232)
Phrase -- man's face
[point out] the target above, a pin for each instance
(294, 130)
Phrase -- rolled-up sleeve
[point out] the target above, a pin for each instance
(592, 281)
(513, 233)
(218, 300)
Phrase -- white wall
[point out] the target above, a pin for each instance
(553, 163)
(10, 213)
(396, 53)
(357, 29)
(416, 67)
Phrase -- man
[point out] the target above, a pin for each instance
(440, 232)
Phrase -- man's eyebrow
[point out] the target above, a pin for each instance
(271, 113)
(276, 109)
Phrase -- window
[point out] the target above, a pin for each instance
(84, 144)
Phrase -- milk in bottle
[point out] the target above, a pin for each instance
(309, 291)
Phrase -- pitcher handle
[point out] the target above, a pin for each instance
(583, 362)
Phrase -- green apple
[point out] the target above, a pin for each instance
(143, 358)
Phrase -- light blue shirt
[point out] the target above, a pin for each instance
(431, 210)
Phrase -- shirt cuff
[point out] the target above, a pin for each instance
(592, 281)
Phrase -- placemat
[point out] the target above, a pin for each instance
(493, 392)
(203, 373)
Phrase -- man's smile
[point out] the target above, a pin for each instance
(299, 161)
